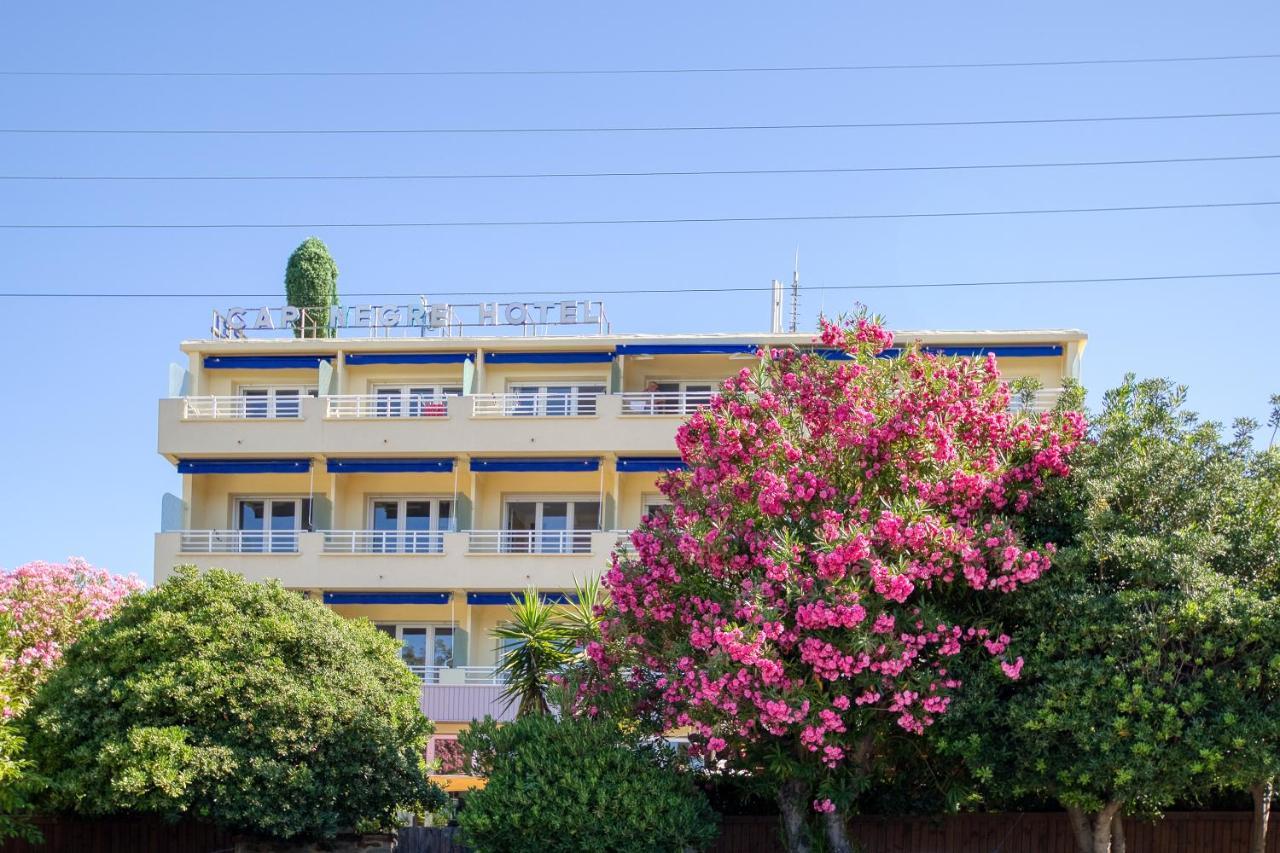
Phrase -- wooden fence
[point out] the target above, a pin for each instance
(1186, 832)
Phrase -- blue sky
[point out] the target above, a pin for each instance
(81, 473)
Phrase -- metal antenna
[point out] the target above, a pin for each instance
(795, 293)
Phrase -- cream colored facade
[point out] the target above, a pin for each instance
(286, 445)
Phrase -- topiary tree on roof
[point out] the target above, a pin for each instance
(311, 282)
(239, 703)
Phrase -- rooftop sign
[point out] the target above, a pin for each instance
(425, 318)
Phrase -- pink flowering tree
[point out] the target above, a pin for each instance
(795, 609)
(43, 608)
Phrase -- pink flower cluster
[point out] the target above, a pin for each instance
(43, 608)
(787, 592)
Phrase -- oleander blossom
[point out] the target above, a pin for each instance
(43, 608)
(791, 589)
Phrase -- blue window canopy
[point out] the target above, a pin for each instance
(244, 466)
(634, 464)
(386, 598)
(533, 463)
(1013, 351)
(548, 357)
(264, 362)
(355, 359)
(504, 598)
(686, 349)
(384, 465)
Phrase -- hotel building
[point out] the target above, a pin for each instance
(420, 480)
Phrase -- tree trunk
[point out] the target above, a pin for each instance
(1100, 832)
(1262, 794)
(1080, 829)
(1117, 834)
(837, 833)
(793, 802)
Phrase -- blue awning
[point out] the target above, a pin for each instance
(536, 464)
(386, 598)
(685, 349)
(1014, 351)
(264, 362)
(244, 466)
(503, 598)
(632, 464)
(388, 466)
(547, 357)
(355, 359)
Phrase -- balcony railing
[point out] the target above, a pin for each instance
(239, 541)
(386, 406)
(529, 541)
(534, 405)
(664, 402)
(479, 676)
(383, 541)
(1043, 401)
(240, 407)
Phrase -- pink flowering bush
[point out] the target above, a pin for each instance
(794, 607)
(43, 608)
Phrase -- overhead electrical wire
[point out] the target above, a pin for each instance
(512, 223)
(825, 170)
(570, 72)
(653, 290)
(695, 128)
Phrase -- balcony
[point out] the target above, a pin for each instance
(382, 560)
(566, 405)
(462, 694)
(340, 406)
(664, 403)
(1043, 400)
(383, 541)
(529, 541)
(370, 425)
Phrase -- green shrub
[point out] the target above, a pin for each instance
(573, 785)
(235, 702)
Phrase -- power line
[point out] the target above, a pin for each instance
(574, 72)
(647, 174)
(655, 290)
(351, 131)
(512, 223)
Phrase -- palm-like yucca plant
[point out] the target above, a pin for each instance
(534, 645)
(580, 616)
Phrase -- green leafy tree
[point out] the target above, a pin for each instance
(1126, 640)
(563, 786)
(239, 703)
(311, 282)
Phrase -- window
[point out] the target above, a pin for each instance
(681, 397)
(409, 525)
(275, 402)
(550, 526)
(560, 399)
(649, 503)
(271, 524)
(414, 401)
(425, 649)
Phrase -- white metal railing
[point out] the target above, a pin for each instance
(664, 402)
(240, 407)
(386, 406)
(529, 541)
(1043, 401)
(468, 675)
(534, 405)
(239, 541)
(383, 541)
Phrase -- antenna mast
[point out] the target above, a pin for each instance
(795, 293)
